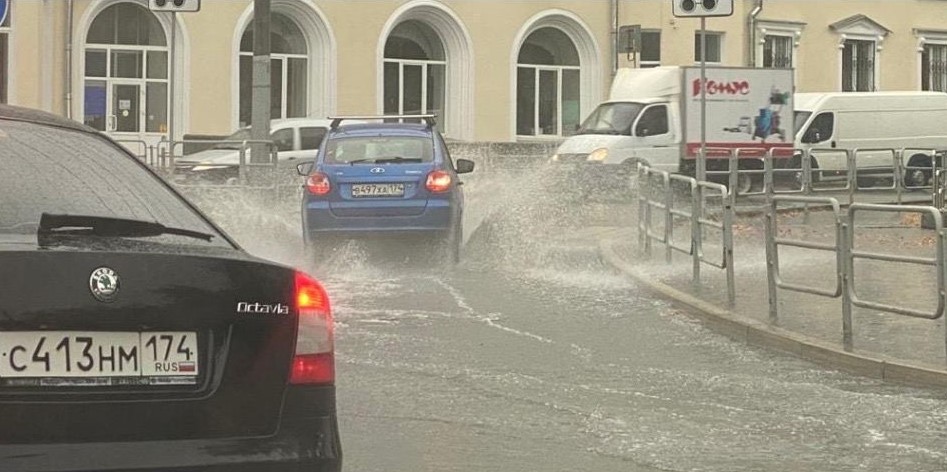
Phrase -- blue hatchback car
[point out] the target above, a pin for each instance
(384, 179)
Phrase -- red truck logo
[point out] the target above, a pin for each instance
(736, 87)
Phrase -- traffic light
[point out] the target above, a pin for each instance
(174, 5)
(699, 8)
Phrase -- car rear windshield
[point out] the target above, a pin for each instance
(44, 169)
(380, 149)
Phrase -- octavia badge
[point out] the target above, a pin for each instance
(378, 170)
(104, 284)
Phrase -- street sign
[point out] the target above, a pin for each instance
(702, 8)
(4, 10)
(175, 5)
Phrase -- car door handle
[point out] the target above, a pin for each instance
(833, 145)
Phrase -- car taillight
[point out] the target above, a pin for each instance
(314, 361)
(318, 184)
(438, 182)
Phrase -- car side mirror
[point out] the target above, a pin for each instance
(465, 166)
(304, 169)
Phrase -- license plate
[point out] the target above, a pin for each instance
(377, 190)
(94, 358)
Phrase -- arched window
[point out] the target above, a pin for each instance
(126, 72)
(415, 71)
(548, 85)
(289, 71)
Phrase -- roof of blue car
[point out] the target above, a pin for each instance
(384, 129)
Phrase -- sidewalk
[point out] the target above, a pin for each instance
(886, 345)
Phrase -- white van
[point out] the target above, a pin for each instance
(839, 121)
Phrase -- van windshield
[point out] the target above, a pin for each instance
(800, 119)
(611, 118)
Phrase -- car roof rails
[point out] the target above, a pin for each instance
(429, 119)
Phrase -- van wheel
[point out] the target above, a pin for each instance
(744, 183)
(797, 176)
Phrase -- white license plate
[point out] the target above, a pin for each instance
(377, 190)
(137, 357)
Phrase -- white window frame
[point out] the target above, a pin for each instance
(643, 63)
(860, 28)
(591, 77)
(779, 28)
(711, 34)
(424, 64)
(142, 81)
(927, 38)
(558, 70)
(284, 62)
(876, 59)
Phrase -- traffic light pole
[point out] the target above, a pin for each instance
(171, 72)
(260, 118)
(702, 157)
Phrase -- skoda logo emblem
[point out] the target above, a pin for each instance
(378, 170)
(104, 284)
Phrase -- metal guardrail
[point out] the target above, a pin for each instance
(842, 175)
(141, 149)
(656, 192)
(774, 241)
(852, 254)
(846, 254)
(167, 154)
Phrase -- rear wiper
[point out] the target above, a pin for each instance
(385, 160)
(358, 161)
(79, 225)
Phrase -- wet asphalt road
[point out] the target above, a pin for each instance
(534, 356)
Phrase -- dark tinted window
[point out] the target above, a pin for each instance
(821, 129)
(311, 138)
(51, 170)
(446, 151)
(283, 139)
(653, 122)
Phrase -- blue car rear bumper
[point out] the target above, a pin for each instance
(319, 219)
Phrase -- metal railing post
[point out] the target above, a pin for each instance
(898, 178)
(696, 209)
(772, 261)
(852, 172)
(728, 253)
(846, 238)
(734, 172)
(668, 219)
(242, 171)
(642, 199)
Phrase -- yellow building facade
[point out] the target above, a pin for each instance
(493, 70)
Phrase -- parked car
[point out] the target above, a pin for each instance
(295, 140)
(135, 334)
(384, 179)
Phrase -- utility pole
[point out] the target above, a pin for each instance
(260, 118)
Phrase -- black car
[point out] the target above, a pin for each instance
(134, 334)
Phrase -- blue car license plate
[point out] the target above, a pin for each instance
(377, 190)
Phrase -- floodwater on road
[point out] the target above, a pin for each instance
(533, 355)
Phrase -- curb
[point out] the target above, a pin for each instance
(758, 334)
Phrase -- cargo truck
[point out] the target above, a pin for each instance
(653, 116)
